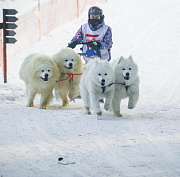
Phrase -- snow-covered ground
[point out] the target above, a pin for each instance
(144, 142)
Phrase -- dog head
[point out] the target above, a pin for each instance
(45, 72)
(67, 60)
(69, 63)
(45, 69)
(103, 72)
(127, 68)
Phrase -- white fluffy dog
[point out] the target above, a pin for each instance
(71, 68)
(127, 83)
(40, 75)
(95, 84)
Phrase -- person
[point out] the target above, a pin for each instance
(94, 35)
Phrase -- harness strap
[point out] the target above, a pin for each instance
(126, 88)
(103, 89)
(70, 75)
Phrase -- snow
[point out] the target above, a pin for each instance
(19, 5)
(144, 142)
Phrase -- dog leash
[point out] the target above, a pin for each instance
(70, 75)
(103, 88)
(121, 84)
(117, 83)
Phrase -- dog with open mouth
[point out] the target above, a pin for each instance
(40, 75)
(126, 83)
(96, 83)
(71, 68)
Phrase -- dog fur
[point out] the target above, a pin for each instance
(40, 74)
(68, 61)
(127, 83)
(98, 74)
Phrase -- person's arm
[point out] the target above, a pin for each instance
(107, 40)
(76, 39)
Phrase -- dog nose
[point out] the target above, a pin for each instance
(103, 80)
(70, 64)
(127, 74)
(46, 75)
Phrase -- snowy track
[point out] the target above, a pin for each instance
(128, 146)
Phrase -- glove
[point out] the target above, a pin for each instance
(94, 44)
(72, 44)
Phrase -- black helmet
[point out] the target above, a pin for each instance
(95, 11)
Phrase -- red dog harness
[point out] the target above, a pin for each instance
(70, 75)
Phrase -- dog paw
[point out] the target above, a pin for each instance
(99, 113)
(71, 96)
(29, 105)
(107, 107)
(65, 105)
(87, 111)
(42, 107)
(118, 114)
(131, 106)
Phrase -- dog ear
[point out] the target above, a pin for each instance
(50, 61)
(130, 57)
(120, 59)
(36, 65)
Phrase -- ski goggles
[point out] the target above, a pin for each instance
(92, 16)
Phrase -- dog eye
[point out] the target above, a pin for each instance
(105, 74)
(129, 68)
(42, 70)
(48, 70)
(71, 59)
(99, 74)
(66, 60)
(123, 69)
